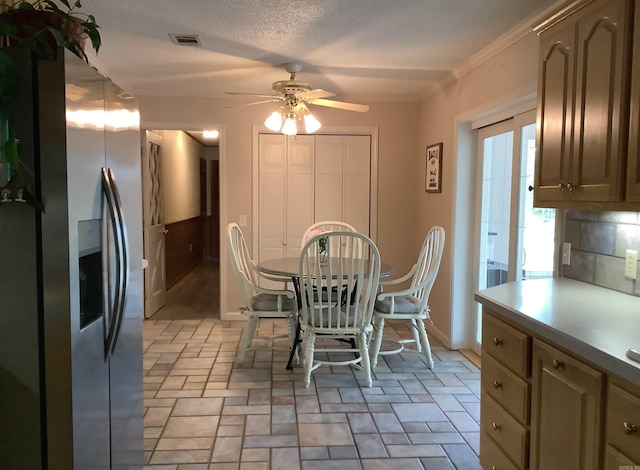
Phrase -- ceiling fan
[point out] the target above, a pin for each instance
(294, 96)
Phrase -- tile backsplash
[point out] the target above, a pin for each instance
(599, 241)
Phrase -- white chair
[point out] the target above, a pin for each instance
(411, 303)
(258, 302)
(346, 316)
(325, 226)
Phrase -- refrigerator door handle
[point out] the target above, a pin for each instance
(112, 306)
(124, 252)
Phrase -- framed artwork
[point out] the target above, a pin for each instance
(433, 177)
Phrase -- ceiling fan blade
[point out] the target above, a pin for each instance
(251, 104)
(361, 108)
(259, 95)
(314, 94)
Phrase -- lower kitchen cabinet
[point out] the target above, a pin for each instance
(623, 428)
(566, 411)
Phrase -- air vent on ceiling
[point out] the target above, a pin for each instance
(185, 39)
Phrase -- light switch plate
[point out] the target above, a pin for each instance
(242, 221)
(631, 264)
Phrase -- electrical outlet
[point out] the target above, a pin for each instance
(631, 264)
(242, 221)
(566, 253)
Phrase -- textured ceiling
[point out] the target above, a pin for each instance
(359, 49)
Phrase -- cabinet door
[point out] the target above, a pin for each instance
(601, 107)
(555, 112)
(633, 155)
(566, 409)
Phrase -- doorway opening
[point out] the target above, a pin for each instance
(182, 206)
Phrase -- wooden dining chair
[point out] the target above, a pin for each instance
(346, 316)
(258, 302)
(412, 303)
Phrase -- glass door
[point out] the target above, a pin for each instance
(514, 241)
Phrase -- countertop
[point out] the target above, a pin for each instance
(589, 321)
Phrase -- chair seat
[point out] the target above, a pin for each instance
(269, 302)
(402, 304)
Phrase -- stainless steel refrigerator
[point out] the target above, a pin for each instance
(71, 280)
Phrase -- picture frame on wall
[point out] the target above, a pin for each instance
(433, 176)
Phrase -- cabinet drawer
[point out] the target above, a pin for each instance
(507, 388)
(507, 433)
(491, 457)
(623, 422)
(508, 345)
(614, 460)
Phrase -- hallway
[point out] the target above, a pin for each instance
(205, 412)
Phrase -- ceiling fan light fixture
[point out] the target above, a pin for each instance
(274, 121)
(289, 127)
(311, 124)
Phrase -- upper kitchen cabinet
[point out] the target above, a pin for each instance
(633, 173)
(583, 96)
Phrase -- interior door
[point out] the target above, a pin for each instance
(154, 230)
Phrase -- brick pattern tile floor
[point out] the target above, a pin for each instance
(205, 412)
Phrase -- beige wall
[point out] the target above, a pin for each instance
(504, 79)
(180, 175)
(398, 180)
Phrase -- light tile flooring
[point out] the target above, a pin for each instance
(204, 412)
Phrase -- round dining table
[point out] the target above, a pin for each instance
(289, 267)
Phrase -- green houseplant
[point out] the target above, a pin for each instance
(40, 26)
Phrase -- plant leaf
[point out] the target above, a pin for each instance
(11, 152)
(28, 196)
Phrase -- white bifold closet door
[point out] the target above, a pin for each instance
(343, 179)
(307, 178)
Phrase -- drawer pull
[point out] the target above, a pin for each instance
(558, 364)
(497, 341)
(629, 428)
(495, 426)
(497, 384)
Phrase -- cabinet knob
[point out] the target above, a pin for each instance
(493, 467)
(561, 187)
(530, 188)
(558, 364)
(495, 426)
(497, 384)
(629, 428)
(497, 341)
(165, 231)
(570, 187)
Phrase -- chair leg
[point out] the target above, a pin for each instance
(308, 343)
(364, 354)
(247, 336)
(416, 334)
(425, 344)
(379, 327)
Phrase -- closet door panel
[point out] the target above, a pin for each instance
(328, 201)
(271, 197)
(300, 190)
(357, 181)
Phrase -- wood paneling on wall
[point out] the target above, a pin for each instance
(183, 248)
